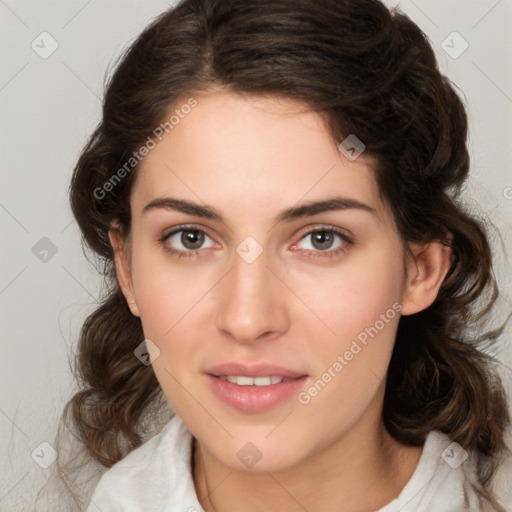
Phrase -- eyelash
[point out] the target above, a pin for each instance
(347, 242)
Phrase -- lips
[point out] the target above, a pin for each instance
(254, 398)
(254, 370)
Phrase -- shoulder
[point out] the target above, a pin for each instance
(155, 476)
(501, 483)
(445, 479)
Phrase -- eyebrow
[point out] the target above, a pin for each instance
(296, 212)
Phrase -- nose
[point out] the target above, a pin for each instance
(252, 302)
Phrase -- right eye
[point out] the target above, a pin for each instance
(186, 241)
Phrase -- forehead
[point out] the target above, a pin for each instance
(248, 151)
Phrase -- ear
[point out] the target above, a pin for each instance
(121, 248)
(427, 269)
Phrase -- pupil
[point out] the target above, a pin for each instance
(323, 239)
(192, 239)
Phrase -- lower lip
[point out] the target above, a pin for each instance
(254, 398)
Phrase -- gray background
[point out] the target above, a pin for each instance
(50, 105)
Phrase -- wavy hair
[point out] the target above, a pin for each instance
(366, 70)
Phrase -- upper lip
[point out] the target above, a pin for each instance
(253, 370)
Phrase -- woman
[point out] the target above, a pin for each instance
(273, 189)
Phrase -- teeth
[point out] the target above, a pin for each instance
(242, 380)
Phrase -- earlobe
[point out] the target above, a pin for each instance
(426, 272)
(123, 269)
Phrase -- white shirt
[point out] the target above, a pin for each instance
(157, 477)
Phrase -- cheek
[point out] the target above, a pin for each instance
(166, 292)
(169, 301)
(368, 296)
(354, 296)
(360, 304)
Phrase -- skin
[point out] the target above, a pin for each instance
(250, 158)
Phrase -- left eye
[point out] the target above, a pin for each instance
(324, 239)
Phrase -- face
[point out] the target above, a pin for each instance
(256, 243)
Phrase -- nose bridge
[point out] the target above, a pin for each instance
(251, 304)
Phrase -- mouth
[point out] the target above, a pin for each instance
(254, 388)
(243, 380)
(255, 370)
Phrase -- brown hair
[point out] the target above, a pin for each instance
(368, 71)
